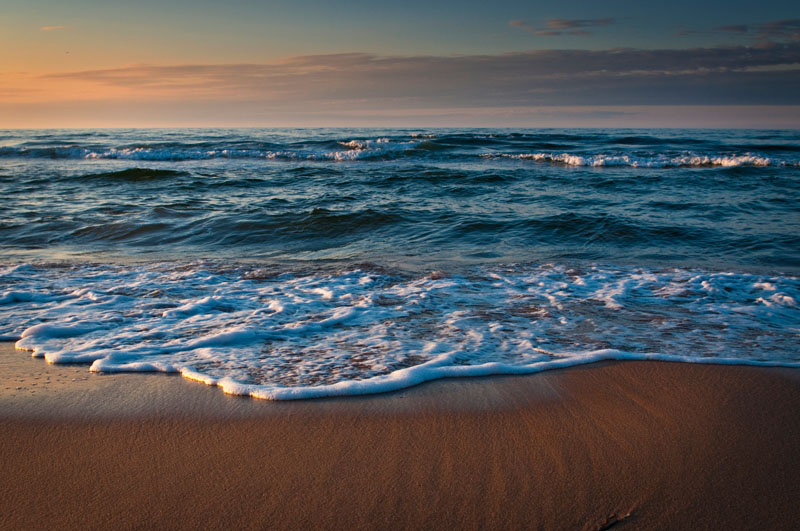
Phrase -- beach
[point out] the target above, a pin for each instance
(472, 328)
(637, 445)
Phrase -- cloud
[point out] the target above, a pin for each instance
(521, 24)
(52, 28)
(562, 23)
(780, 28)
(764, 34)
(710, 76)
(555, 27)
(738, 28)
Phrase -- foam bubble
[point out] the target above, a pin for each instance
(357, 331)
(356, 149)
(687, 160)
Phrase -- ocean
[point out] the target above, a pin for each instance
(304, 263)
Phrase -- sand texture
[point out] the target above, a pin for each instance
(629, 445)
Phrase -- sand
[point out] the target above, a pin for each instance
(629, 445)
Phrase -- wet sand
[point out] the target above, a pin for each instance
(636, 445)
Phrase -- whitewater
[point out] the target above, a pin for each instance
(287, 264)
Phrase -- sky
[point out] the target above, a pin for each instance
(551, 63)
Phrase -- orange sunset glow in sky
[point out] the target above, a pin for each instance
(109, 64)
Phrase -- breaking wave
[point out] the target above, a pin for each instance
(270, 333)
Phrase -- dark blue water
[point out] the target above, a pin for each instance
(717, 199)
(302, 263)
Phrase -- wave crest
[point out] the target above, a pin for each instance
(656, 161)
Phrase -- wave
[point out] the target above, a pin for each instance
(576, 148)
(154, 233)
(273, 333)
(770, 148)
(163, 225)
(608, 229)
(378, 151)
(327, 150)
(585, 231)
(655, 161)
(135, 175)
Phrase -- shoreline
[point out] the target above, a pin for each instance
(629, 444)
(327, 392)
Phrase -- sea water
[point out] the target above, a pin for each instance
(303, 263)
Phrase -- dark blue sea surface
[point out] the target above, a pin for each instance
(372, 259)
(723, 199)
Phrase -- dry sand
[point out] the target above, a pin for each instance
(631, 445)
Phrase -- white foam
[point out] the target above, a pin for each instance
(685, 160)
(359, 331)
(354, 150)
